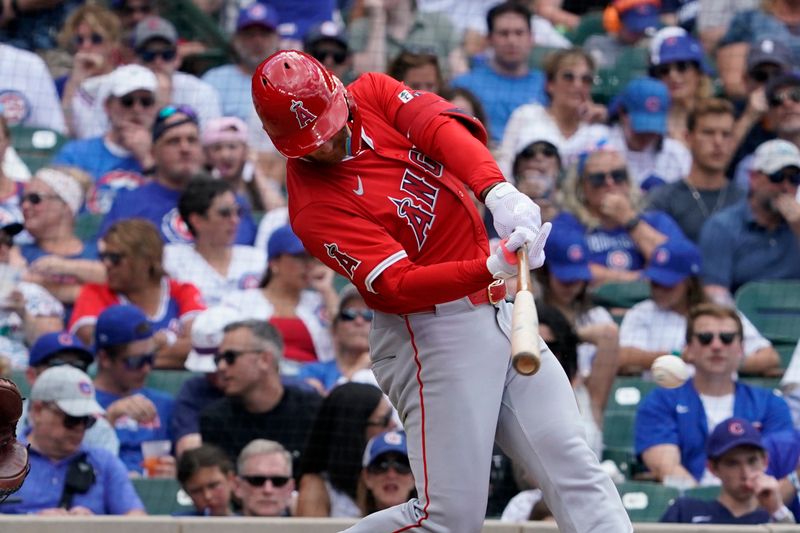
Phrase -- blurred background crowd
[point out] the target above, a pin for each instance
(173, 334)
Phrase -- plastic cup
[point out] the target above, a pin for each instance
(152, 452)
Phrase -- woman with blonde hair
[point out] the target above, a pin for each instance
(92, 34)
(573, 119)
(132, 252)
(600, 203)
(57, 259)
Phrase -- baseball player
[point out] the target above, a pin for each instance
(378, 179)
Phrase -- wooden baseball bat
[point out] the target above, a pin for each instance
(525, 355)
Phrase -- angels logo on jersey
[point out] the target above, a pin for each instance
(417, 208)
(348, 263)
(303, 115)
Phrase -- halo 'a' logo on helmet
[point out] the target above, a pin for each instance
(303, 115)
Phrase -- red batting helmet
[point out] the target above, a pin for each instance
(301, 105)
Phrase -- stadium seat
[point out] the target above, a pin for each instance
(169, 381)
(773, 307)
(87, 225)
(618, 440)
(590, 24)
(646, 502)
(627, 393)
(162, 496)
(36, 146)
(703, 493)
(619, 297)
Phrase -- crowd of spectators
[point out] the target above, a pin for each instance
(660, 137)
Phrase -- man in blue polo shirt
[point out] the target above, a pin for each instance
(124, 345)
(67, 478)
(748, 495)
(756, 238)
(506, 82)
(672, 425)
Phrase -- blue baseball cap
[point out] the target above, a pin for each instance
(283, 241)
(388, 441)
(732, 433)
(121, 324)
(673, 262)
(679, 48)
(646, 101)
(567, 256)
(257, 14)
(639, 16)
(51, 344)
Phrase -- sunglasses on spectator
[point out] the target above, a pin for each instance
(348, 315)
(571, 77)
(539, 148)
(338, 56)
(129, 100)
(35, 198)
(792, 174)
(778, 99)
(137, 362)
(80, 364)
(598, 179)
(229, 212)
(659, 71)
(94, 38)
(382, 422)
(383, 466)
(113, 258)
(763, 75)
(258, 481)
(148, 56)
(230, 356)
(71, 422)
(706, 338)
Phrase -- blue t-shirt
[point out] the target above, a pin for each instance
(32, 252)
(159, 205)
(196, 394)
(327, 373)
(677, 416)
(615, 248)
(111, 494)
(132, 434)
(783, 450)
(110, 172)
(501, 95)
(736, 250)
(693, 511)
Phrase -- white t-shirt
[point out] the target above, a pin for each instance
(671, 163)
(251, 303)
(647, 327)
(717, 408)
(27, 91)
(536, 116)
(38, 303)
(183, 263)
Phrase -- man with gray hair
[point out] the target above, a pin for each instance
(264, 483)
(256, 404)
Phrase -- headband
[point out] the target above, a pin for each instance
(64, 186)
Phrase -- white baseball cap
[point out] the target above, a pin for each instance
(207, 333)
(771, 156)
(69, 388)
(128, 78)
(533, 133)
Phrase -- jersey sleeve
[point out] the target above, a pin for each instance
(190, 302)
(438, 128)
(655, 423)
(371, 259)
(90, 303)
(665, 224)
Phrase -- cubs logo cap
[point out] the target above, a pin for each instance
(150, 28)
(567, 256)
(51, 344)
(646, 102)
(732, 433)
(673, 262)
(388, 441)
(121, 324)
(69, 388)
(283, 241)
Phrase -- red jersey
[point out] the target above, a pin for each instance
(397, 218)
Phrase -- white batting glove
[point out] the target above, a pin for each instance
(503, 262)
(511, 209)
